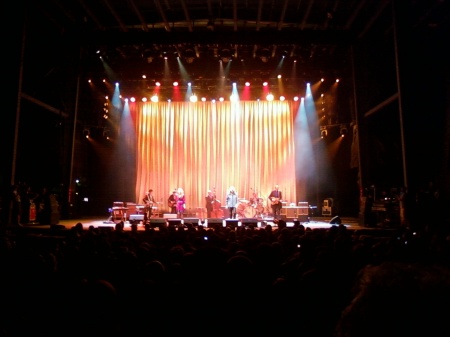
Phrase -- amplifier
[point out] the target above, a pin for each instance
(138, 217)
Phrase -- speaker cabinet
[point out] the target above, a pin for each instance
(157, 222)
(232, 223)
(252, 223)
(174, 222)
(191, 221)
(136, 217)
(213, 222)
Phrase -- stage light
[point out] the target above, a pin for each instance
(264, 55)
(106, 133)
(343, 130)
(323, 132)
(269, 97)
(225, 55)
(86, 133)
(189, 55)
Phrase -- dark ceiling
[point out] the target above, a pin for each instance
(135, 34)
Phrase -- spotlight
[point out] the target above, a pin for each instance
(323, 132)
(343, 130)
(225, 55)
(86, 133)
(264, 55)
(189, 55)
(106, 133)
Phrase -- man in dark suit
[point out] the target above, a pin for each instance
(275, 198)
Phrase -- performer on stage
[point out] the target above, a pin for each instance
(172, 202)
(181, 203)
(275, 198)
(149, 201)
(232, 200)
(209, 203)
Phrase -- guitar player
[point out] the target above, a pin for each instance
(172, 202)
(275, 198)
(149, 201)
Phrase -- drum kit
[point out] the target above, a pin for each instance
(253, 208)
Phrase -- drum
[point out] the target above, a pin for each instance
(249, 212)
(259, 208)
(240, 208)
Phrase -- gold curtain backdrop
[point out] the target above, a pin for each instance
(214, 145)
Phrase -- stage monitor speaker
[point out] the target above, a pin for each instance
(174, 222)
(251, 222)
(169, 216)
(232, 223)
(157, 222)
(336, 220)
(136, 217)
(213, 222)
(191, 221)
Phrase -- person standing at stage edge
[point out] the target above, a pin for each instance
(181, 203)
(232, 200)
(209, 202)
(275, 198)
(172, 202)
(149, 201)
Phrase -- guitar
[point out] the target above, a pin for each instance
(275, 201)
(172, 203)
(149, 202)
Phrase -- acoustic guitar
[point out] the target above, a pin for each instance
(172, 203)
(275, 201)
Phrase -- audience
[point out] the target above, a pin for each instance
(221, 281)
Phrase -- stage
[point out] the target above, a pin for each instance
(98, 222)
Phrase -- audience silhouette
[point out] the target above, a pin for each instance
(222, 281)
